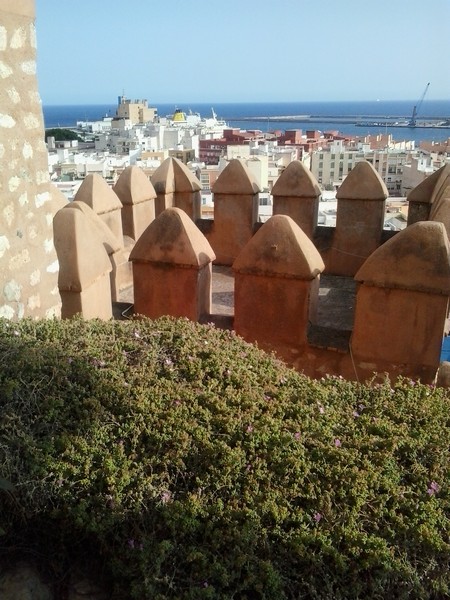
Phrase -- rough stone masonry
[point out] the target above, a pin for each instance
(28, 202)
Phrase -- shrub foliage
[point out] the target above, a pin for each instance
(188, 464)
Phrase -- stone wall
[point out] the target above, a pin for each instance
(401, 304)
(28, 202)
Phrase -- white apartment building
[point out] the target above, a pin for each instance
(330, 166)
(420, 167)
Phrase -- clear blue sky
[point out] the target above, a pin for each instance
(89, 51)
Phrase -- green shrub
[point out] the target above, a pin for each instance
(188, 464)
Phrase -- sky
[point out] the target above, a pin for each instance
(91, 51)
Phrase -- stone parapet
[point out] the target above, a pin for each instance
(172, 269)
(276, 287)
(235, 211)
(176, 185)
(137, 196)
(296, 193)
(359, 219)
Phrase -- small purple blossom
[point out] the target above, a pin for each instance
(249, 428)
(166, 497)
(355, 413)
(433, 489)
(321, 409)
(131, 543)
(168, 362)
(317, 517)
(297, 435)
(337, 442)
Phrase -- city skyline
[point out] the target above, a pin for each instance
(246, 51)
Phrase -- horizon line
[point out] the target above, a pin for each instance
(376, 100)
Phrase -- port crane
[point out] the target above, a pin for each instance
(412, 121)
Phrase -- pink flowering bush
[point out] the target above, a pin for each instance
(180, 462)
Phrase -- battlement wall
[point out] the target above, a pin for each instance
(403, 283)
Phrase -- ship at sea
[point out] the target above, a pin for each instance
(193, 119)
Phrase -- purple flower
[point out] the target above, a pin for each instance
(131, 543)
(249, 428)
(166, 497)
(297, 435)
(433, 489)
(168, 362)
(321, 409)
(317, 517)
(355, 413)
(337, 442)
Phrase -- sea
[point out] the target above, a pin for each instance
(353, 118)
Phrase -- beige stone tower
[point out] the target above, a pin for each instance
(28, 202)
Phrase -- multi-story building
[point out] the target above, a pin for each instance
(331, 165)
(136, 111)
(420, 167)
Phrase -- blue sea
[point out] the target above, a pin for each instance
(320, 114)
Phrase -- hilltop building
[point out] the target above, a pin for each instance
(135, 111)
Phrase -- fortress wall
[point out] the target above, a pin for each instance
(28, 202)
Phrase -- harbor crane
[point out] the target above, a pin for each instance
(412, 121)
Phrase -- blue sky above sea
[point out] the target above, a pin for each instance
(256, 50)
